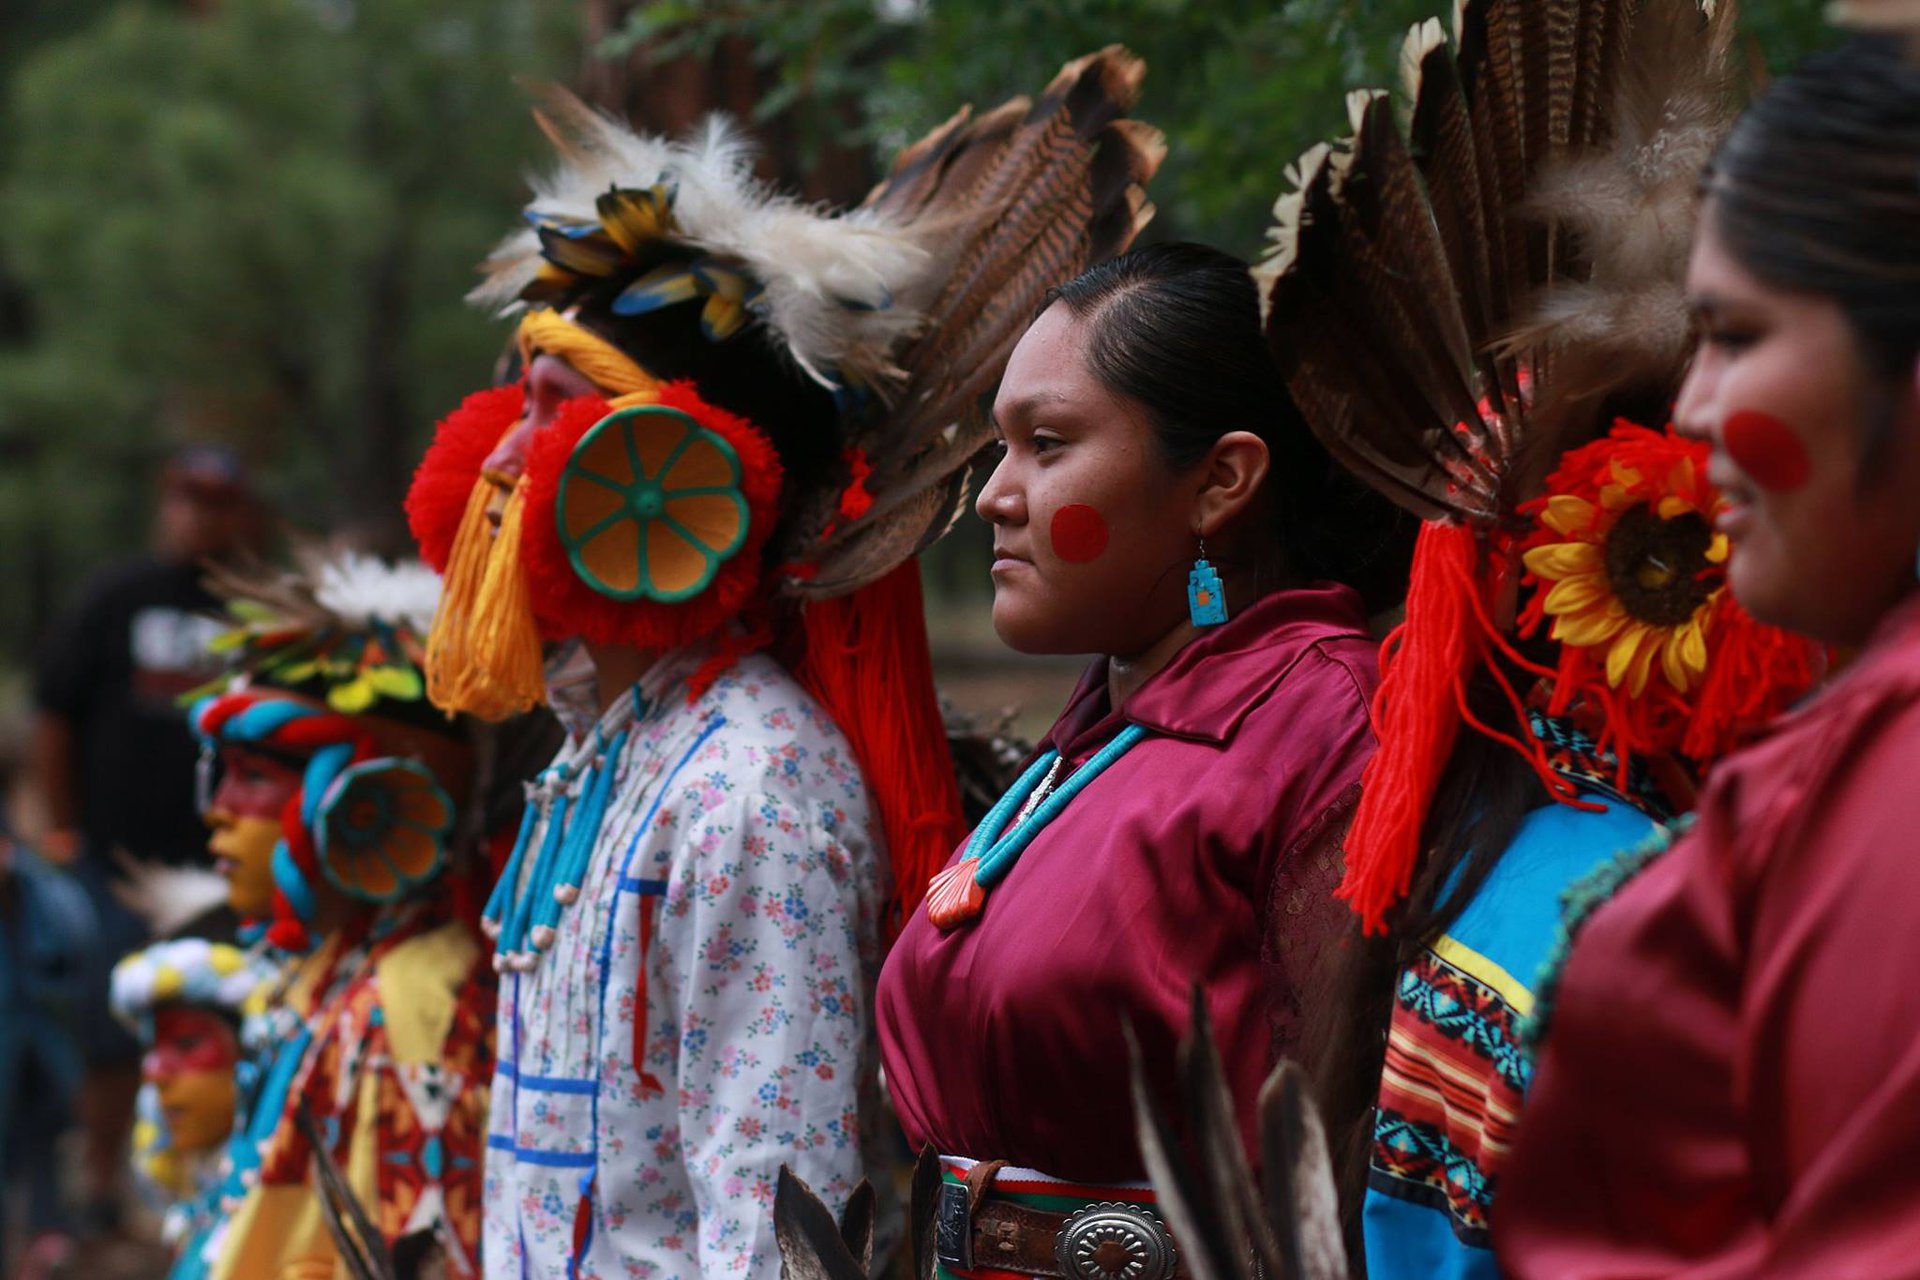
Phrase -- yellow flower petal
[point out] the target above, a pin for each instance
(1614, 497)
(1576, 595)
(1671, 660)
(1590, 628)
(1565, 559)
(1673, 505)
(1623, 651)
(1694, 643)
(1642, 665)
(1567, 514)
(1718, 549)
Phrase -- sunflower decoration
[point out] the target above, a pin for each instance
(1631, 575)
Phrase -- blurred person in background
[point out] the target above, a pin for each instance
(112, 762)
(348, 819)
(46, 930)
(185, 998)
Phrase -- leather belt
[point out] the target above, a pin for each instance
(1105, 1241)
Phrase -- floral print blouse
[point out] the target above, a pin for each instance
(702, 1016)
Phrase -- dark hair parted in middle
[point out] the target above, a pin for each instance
(1176, 329)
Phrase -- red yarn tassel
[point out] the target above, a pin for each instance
(1754, 673)
(867, 663)
(1424, 667)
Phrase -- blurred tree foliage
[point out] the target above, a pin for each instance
(1241, 87)
(249, 222)
(253, 220)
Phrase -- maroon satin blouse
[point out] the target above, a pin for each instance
(1730, 1085)
(1205, 854)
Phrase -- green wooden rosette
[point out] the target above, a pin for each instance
(649, 506)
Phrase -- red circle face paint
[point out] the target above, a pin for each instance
(1767, 450)
(1079, 533)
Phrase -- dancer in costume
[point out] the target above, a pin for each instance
(1158, 501)
(1580, 625)
(340, 806)
(184, 1000)
(1728, 1082)
(738, 418)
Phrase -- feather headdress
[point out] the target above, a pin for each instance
(348, 627)
(1458, 304)
(1428, 291)
(840, 292)
(908, 305)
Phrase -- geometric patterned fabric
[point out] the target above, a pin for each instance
(398, 1055)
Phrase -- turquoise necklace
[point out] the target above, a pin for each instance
(957, 894)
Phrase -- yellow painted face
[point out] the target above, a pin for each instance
(242, 849)
(191, 1067)
(245, 817)
(199, 1108)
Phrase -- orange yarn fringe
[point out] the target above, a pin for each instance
(483, 651)
(1426, 665)
(866, 662)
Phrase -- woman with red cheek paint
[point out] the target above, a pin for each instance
(1731, 1086)
(1159, 503)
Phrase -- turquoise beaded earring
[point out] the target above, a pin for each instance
(1206, 599)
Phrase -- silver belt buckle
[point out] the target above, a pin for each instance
(1114, 1242)
(953, 1228)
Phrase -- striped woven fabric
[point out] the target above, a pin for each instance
(1451, 1089)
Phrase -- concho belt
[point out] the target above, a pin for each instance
(1106, 1241)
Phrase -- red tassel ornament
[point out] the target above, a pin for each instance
(866, 662)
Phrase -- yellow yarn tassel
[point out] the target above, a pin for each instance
(483, 652)
(449, 659)
(506, 641)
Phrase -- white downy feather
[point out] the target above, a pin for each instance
(168, 898)
(840, 291)
(358, 589)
